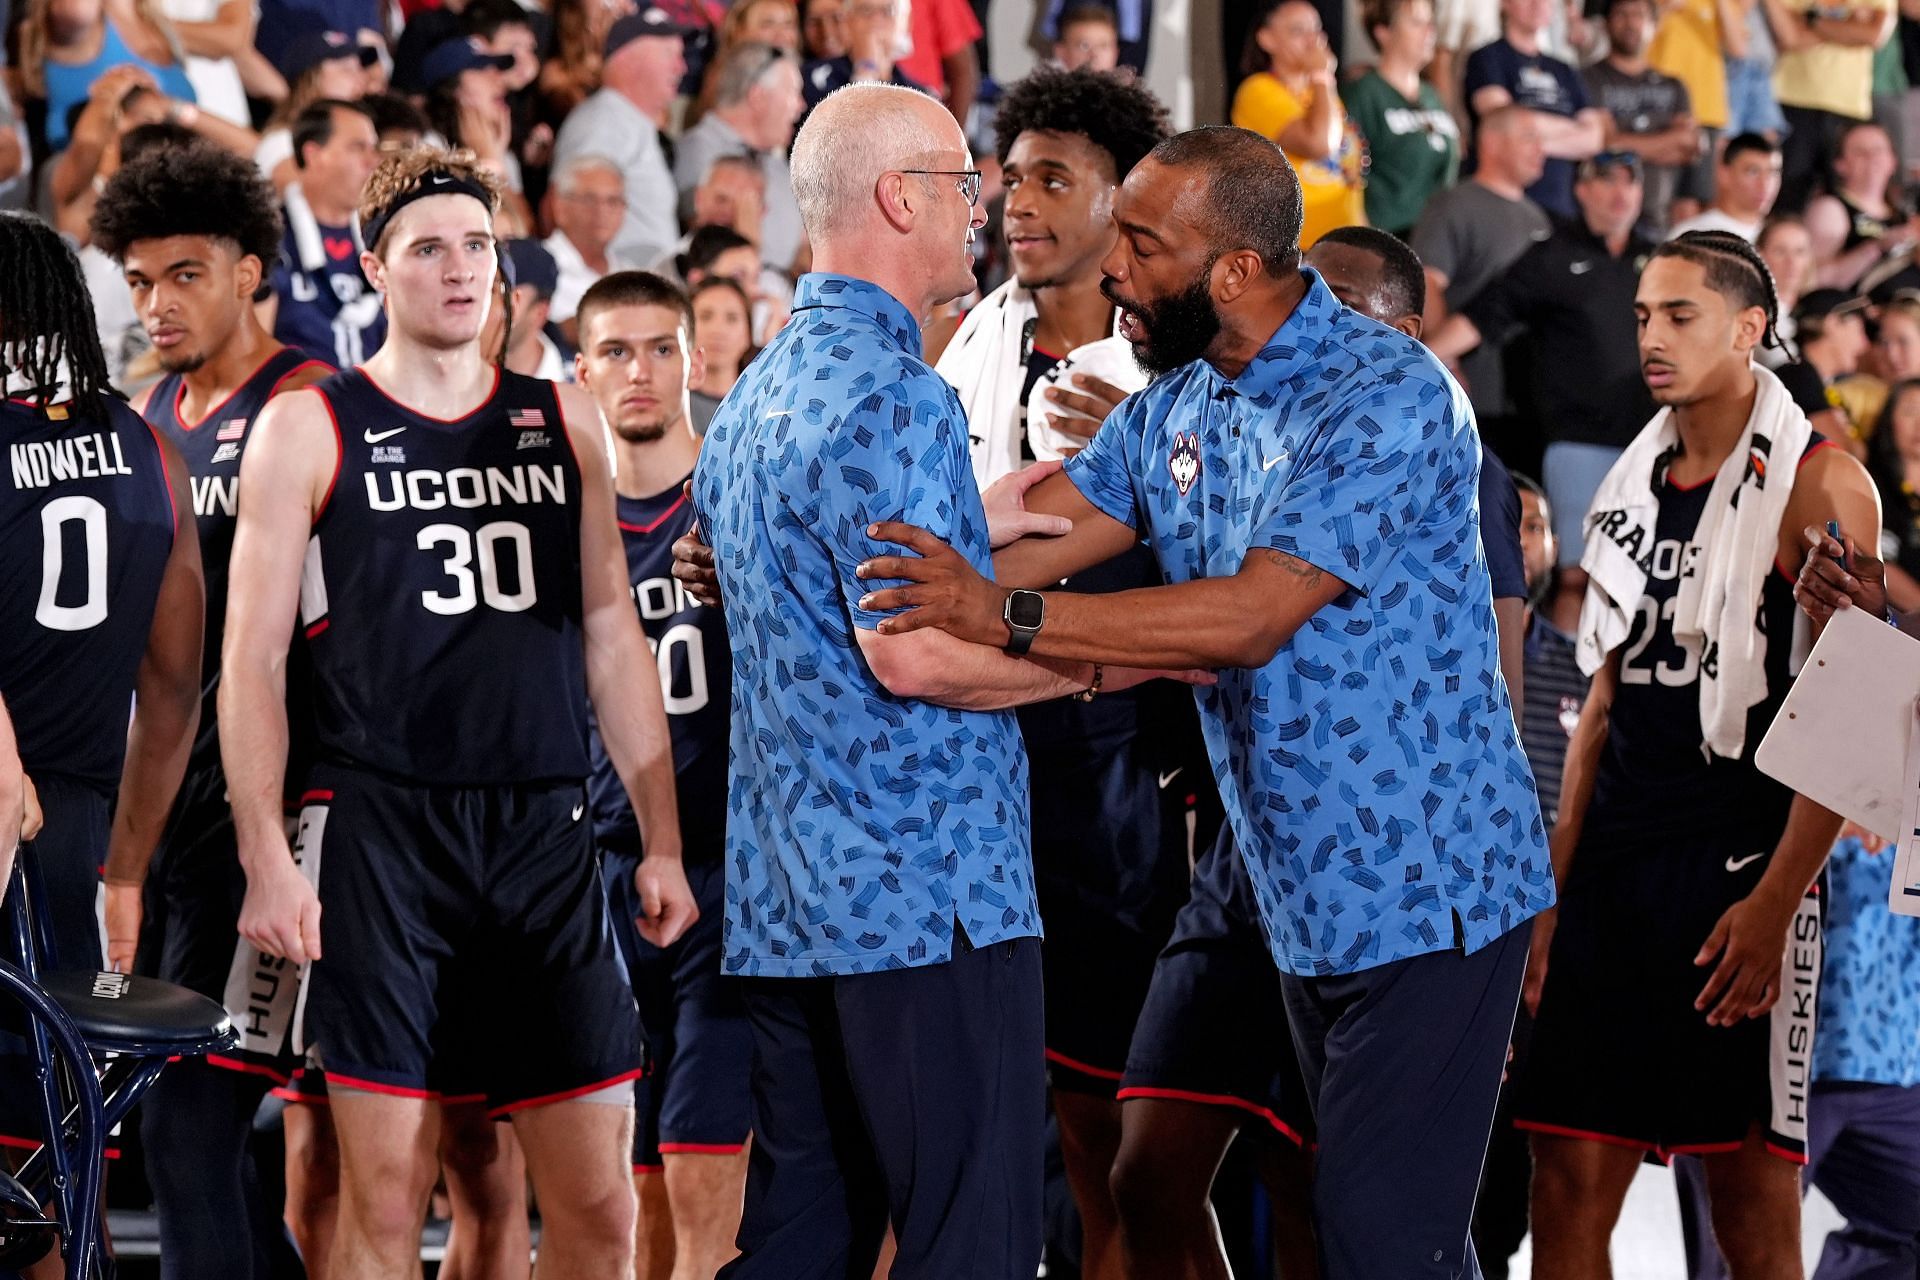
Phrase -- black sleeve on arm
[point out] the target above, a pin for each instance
(1500, 528)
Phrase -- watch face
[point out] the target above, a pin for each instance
(1026, 608)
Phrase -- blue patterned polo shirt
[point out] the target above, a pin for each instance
(1870, 982)
(861, 827)
(1371, 771)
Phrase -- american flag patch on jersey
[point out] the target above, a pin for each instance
(231, 429)
(527, 418)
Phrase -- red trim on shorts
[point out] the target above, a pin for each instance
(318, 627)
(248, 1068)
(1217, 1100)
(461, 1099)
(678, 503)
(648, 1168)
(310, 1099)
(702, 1148)
(1791, 1157)
(567, 1095)
(311, 796)
(374, 1086)
(1586, 1135)
(1702, 1149)
(1085, 1069)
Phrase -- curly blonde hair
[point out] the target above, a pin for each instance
(402, 171)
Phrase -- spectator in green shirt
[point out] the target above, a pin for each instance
(1413, 145)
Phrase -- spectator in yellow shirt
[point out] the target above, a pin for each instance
(1290, 95)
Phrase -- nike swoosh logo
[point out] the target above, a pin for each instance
(1580, 268)
(1271, 463)
(1734, 864)
(578, 810)
(375, 437)
(1169, 776)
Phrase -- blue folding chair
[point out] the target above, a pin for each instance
(97, 1041)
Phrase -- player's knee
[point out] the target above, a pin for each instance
(604, 1218)
(1152, 1194)
(485, 1171)
(1753, 1233)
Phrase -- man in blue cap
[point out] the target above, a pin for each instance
(644, 63)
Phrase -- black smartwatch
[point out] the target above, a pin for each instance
(1024, 615)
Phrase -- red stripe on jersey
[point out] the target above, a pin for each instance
(339, 457)
(318, 627)
(664, 516)
(166, 473)
(312, 796)
(491, 393)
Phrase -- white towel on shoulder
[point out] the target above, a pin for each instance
(1724, 569)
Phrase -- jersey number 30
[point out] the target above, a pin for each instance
(482, 545)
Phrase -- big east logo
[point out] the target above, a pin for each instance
(1184, 461)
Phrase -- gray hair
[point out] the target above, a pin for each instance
(745, 65)
(573, 166)
(855, 135)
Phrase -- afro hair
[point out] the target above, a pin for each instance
(193, 190)
(1113, 113)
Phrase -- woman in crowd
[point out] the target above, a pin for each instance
(723, 331)
(68, 46)
(573, 71)
(1788, 251)
(1413, 145)
(1893, 458)
(774, 22)
(466, 104)
(1290, 96)
(823, 25)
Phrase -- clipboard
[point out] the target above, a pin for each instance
(1847, 736)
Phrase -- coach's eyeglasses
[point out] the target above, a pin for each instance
(970, 180)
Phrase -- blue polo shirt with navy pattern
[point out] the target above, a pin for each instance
(1371, 770)
(1869, 977)
(861, 827)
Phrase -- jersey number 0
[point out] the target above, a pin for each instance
(92, 519)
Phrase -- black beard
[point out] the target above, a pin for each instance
(183, 364)
(1179, 328)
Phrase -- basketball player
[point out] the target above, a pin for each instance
(192, 227)
(637, 360)
(450, 530)
(1675, 986)
(102, 606)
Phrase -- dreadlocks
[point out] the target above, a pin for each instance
(1735, 270)
(47, 331)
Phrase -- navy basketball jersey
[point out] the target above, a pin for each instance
(689, 643)
(212, 448)
(1656, 784)
(88, 522)
(441, 596)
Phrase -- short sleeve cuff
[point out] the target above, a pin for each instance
(1113, 500)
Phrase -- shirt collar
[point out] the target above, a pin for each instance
(1294, 346)
(819, 289)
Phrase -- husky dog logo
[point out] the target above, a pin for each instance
(1184, 461)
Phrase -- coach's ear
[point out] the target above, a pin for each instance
(1236, 272)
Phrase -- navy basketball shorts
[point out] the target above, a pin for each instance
(1214, 1028)
(191, 933)
(1113, 844)
(66, 858)
(697, 1096)
(1619, 1053)
(451, 910)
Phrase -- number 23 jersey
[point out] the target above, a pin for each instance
(441, 594)
(88, 523)
(1655, 785)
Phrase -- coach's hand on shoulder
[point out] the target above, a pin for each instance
(946, 591)
(1008, 519)
(1749, 940)
(693, 564)
(667, 908)
(1824, 587)
(1087, 408)
(281, 913)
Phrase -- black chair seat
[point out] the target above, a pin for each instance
(121, 1014)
